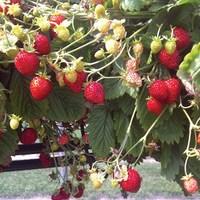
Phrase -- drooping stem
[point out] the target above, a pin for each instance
(147, 133)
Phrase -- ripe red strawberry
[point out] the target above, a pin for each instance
(79, 191)
(158, 90)
(45, 160)
(28, 136)
(81, 175)
(191, 185)
(183, 39)
(15, 1)
(85, 138)
(170, 61)
(56, 20)
(97, 2)
(77, 86)
(154, 106)
(1, 8)
(174, 89)
(198, 139)
(94, 93)
(42, 44)
(63, 139)
(26, 63)
(133, 183)
(65, 195)
(40, 88)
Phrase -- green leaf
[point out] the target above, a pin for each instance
(121, 122)
(193, 167)
(172, 129)
(8, 145)
(101, 131)
(21, 102)
(114, 88)
(133, 92)
(126, 104)
(65, 105)
(170, 161)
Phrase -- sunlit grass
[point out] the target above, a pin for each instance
(36, 183)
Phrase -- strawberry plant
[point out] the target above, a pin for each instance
(119, 79)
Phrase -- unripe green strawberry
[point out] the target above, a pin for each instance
(100, 11)
(156, 45)
(99, 54)
(103, 25)
(14, 10)
(138, 48)
(78, 64)
(71, 75)
(78, 34)
(119, 32)
(43, 24)
(62, 33)
(82, 158)
(36, 11)
(18, 32)
(112, 46)
(66, 5)
(170, 45)
(116, 4)
(14, 121)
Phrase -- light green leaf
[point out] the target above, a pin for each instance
(101, 131)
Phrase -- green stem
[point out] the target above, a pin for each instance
(85, 45)
(145, 136)
(127, 133)
(73, 43)
(108, 64)
(99, 61)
